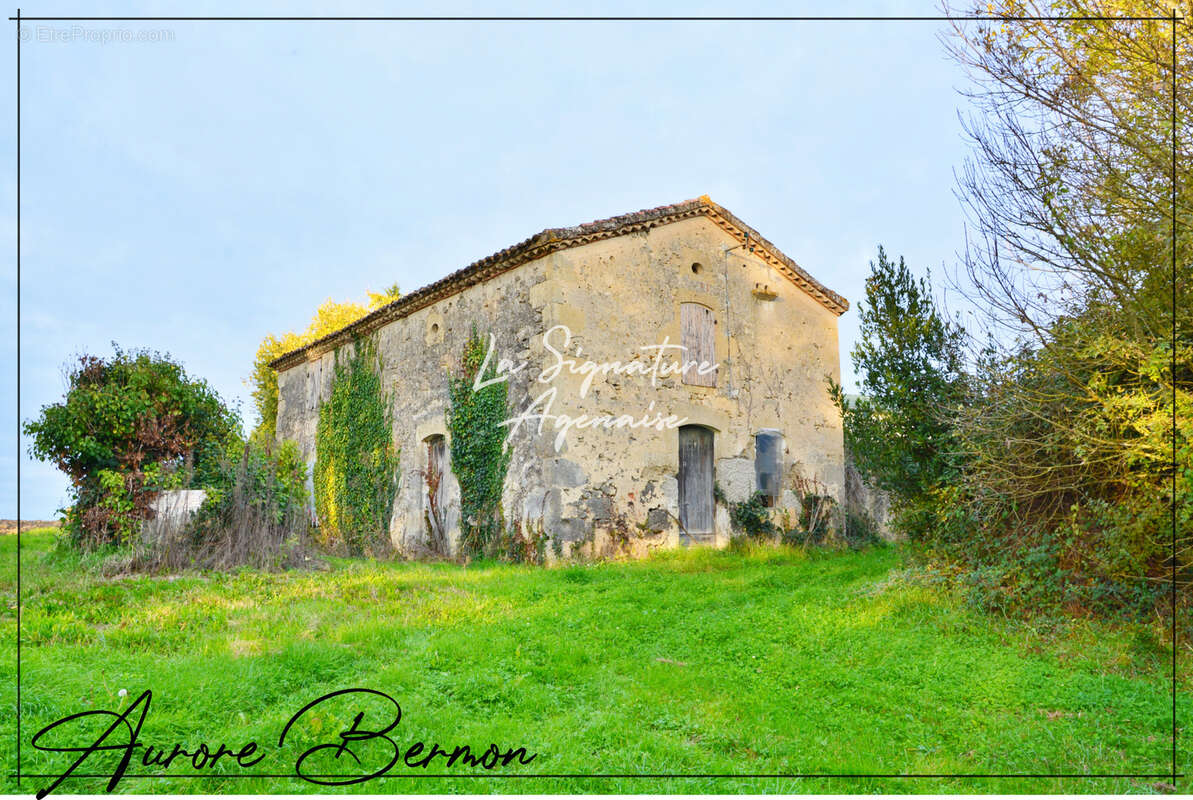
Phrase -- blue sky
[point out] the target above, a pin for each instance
(194, 193)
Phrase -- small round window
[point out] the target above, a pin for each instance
(697, 268)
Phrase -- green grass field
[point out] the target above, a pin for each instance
(692, 662)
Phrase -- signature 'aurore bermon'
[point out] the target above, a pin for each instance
(371, 751)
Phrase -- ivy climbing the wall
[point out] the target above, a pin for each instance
(479, 457)
(356, 464)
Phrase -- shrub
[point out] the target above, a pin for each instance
(860, 531)
(272, 477)
(752, 517)
(816, 517)
(523, 544)
(124, 422)
(255, 514)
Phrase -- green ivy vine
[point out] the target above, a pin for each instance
(479, 457)
(356, 463)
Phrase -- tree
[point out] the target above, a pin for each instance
(912, 362)
(1069, 189)
(1079, 444)
(126, 423)
(329, 318)
(386, 296)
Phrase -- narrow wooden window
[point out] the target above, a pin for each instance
(433, 493)
(696, 479)
(767, 447)
(313, 386)
(696, 324)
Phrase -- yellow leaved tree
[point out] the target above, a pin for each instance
(329, 318)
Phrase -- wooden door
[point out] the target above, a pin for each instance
(696, 479)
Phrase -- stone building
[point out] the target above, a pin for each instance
(622, 294)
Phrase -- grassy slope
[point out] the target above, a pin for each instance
(694, 661)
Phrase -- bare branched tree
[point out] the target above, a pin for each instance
(1079, 250)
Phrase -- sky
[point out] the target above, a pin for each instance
(193, 186)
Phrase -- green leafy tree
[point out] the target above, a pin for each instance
(356, 463)
(479, 457)
(124, 423)
(911, 360)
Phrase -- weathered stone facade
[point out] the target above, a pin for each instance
(618, 286)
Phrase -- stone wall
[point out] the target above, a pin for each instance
(416, 354)
(871, 501)
(620, 294)
(611, 491)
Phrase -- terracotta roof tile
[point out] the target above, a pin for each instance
(553, 239)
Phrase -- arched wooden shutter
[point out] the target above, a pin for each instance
(697, 324)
